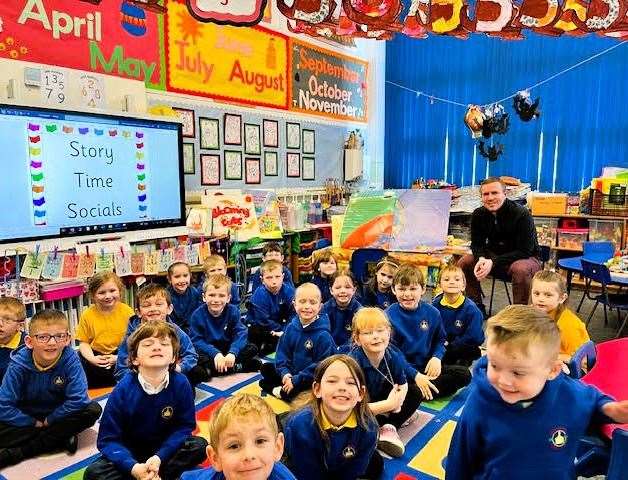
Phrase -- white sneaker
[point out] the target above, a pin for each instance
(277, 392)
(389, 441)
(413, 418)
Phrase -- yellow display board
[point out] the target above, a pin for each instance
(247, 65)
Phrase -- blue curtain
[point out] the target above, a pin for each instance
(583, 126)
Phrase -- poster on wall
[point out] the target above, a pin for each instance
(245, 65)
(113, 37)
(327, 83)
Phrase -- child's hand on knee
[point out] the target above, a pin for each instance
(219, 362)
(287, 383)
(433, 368)
(425, 385)
(230, 360)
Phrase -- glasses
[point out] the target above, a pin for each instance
(9, 321)
(45, 337)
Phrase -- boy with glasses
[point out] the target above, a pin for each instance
(43, 397)
(12, 316)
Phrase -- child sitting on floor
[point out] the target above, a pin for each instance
(218, 334)
(335, 435)
(146, 429)
(305, 342)
(153, 306)
(462, 318)
(523, 418)
(243, 424)
(377, 292)
(12, 317)
(215, 264)
(549, 293)
(271, 251)
(418, 332)
(101, 329)
(270, 308)
(392, 399)
(43, 397)
(342, 306)
(185, 298)
(325, 265)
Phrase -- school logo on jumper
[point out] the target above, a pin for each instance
(424, 325)
(458, 323)
(59, 381)
(385, 305)
(309, 344)
(558, 438)
(167, 412)
(348, 327)
(348, 452)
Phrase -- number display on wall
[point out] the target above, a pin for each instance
(53, 87)
(92, 90)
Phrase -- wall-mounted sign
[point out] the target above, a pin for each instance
(114, 37)
(326, 83)
(246, 65)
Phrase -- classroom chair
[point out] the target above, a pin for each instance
(598, 272)
(583, 360)
(618, 468)
(360, 261)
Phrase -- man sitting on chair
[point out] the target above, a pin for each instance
(503, 242)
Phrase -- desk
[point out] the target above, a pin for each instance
(612, 358)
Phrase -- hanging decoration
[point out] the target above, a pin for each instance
(474, 119)
(506, 19)
(492, 152)
(496, 120)
(239, 13)
(525, 108)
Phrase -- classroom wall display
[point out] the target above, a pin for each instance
(232, 127)
(293, 135)
(233, 165)
(209, 133)
(252, 171)
(188, 159)
(226, 13)
(271, 133)
(293, 164)
(252, 143)
(210, 169)
(309, 168)
(112, 37)
(271, 164)
(327, 83)
(247, 65)
(308, 141)
(187, 118)
(223, 213)
(329, 141)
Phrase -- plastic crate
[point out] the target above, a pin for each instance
(615, 204)
(546, 231)
(606, 230)
(572, 239)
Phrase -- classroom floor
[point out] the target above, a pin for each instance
(427, 439)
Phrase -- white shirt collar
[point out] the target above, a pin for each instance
(149, 389)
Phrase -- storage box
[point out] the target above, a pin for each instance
(548, 203)
(615, 204)
(606, 230)
(546, 231)
(572, 239)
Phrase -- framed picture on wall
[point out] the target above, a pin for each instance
(271, 133)
(309, 168)
(188, 158)
(252, 168)
(210, 169)
(293, 135)
(271, 165)
(209, 129)
(233, 165)
(252, 144)
(232, 129)
(293, 164)
(308, 141)
(187, 117)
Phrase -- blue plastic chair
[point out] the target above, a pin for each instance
(360, 261)
(598, 252)
(583, 360)
(598, 272)
(618, 468)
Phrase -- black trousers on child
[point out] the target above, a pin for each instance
(452, 378)
(191, 453)
(271, 379)
(262, 339)
(198, 374)
(461, 354)
(245, 360)
(98, 377)
(408, 407)
(20, 443)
